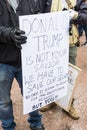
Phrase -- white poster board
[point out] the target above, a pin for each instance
(44, 58)
(73, 73)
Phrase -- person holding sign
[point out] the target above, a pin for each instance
(11, 38)
(60, 5)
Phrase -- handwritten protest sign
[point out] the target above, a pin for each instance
(44, 58)
(73, 73)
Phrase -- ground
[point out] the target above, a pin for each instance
(56, 118)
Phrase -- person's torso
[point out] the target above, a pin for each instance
(58, 5)
(9, 53)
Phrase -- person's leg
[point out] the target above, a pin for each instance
(72, 59)
(6, 110)
(34, 117)
(85, 29)
(80, 30)
(72, 54)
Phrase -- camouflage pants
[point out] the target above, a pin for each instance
(72, 54)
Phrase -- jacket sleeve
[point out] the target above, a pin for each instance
(48, 6)
(78, 3)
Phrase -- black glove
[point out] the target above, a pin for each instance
(10, 35)
(17, 36)
(70, 27)
(64, 9)
(77, 44)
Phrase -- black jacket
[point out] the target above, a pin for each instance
(78, 3)
(44, 5)
(9, 52)
(81, 7)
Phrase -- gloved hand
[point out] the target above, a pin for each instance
(72, 13)
(70, 28)
(18, 36)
